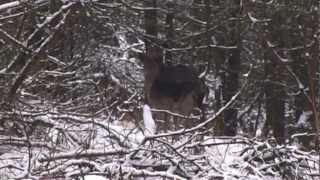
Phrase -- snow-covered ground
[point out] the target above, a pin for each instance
(99, 150)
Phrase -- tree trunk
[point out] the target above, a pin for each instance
(231, 75)
(151, 26)
(169, 36)
(151, 32)
(274, 95)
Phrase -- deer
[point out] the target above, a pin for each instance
(173, 88)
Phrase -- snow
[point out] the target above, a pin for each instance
(9, 5)
(253, 19)
(2, 71)
(218, 83)
(303, 119)
(94, 177)
(222, 157)
(93, 146)
(115, 79)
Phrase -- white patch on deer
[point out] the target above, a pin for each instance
(149, 124)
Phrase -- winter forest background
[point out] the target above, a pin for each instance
(71, 89)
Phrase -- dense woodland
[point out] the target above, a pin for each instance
(72, 89)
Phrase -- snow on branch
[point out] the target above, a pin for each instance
(85, 154)
(9, 5)
(21, 76)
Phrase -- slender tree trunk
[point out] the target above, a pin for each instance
(151, 26)
(215, 58)
(151, 32)
(231, 76)
(231, 86)
(274, 90)
(274, 95)
(314, 68)
(169, 35)
(277, 37)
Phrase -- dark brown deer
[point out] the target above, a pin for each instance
(175, 88)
